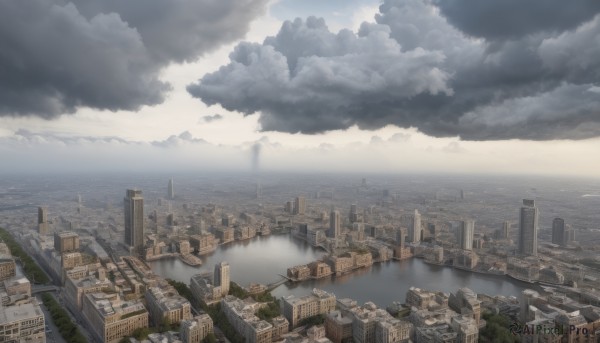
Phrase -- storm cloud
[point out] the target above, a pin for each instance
(419, 65)
(57, 56)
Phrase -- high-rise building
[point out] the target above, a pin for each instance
(258, 190)
(299, 205)
(413, 223)
(170, 190)
(528, 228)
(558, 231)
(334, 223)
(66, 242)
(464, 234)
(43, 220)
(221, 277)
(353, 215)
(134, 219)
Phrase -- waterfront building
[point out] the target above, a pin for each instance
(301, 272)
(225, 234)
(299, 205)
(221, 277)
(22, 323)
(528, 228)
(319, 269)
(465, 232)
(203, 243)
(134, 220)
(319, 302)
(413, 223)
(335, 228)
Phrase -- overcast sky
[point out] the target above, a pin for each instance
(498, 86)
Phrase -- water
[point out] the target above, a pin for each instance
(261, 260)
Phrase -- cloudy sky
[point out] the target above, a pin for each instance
(496, 86)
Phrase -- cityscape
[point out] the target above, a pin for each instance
(302, 258)
(285, 171)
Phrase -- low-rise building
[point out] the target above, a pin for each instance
(112, 318)
(8, 267)
(338, 327)
(22, 323)
(166, 306)
(196, 329)
(319, 302)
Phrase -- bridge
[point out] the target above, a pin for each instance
(276, 284)
(43, 288)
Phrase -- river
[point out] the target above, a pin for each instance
(261, 259)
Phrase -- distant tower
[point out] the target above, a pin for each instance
(466, 229)
(170, 190)
(221, 277)
(334, 223)
(299, 205)
(364, 182)
(258, 190)
(558, 232)
(353, 215)
(528, 228)
(43, 220)
(505, 230)
(79, 201)
(462, 194)
(413, 223)
(400, 236)
(134, 219)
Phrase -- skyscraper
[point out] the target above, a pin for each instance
(43, 220)
(558, 231)
(221, 277)
(528, 228)
(466, 229)
(413, 223)
(134, 219)
(299, 205)
(334, 223)
(170, 190)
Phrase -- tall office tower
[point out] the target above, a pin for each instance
(221, 277)
(569, 235)
(353, 215)
(334, 223)
(400, 236)
(43, 220)
(558, 231)
(464, 235)
(258, 190)
(170, 190)
(413, 223)
(506, 230)
(528, 228)
(134, 219)
(299, 205)
(462, 194)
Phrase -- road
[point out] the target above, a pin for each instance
(55, 336)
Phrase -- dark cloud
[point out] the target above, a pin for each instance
(58, 56)
(412, 68)
(212, 118)
(180, 30)
(512, 19)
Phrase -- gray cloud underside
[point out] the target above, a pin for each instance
(412, 68)
(58, 56)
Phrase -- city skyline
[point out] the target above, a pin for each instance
(550, 118)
